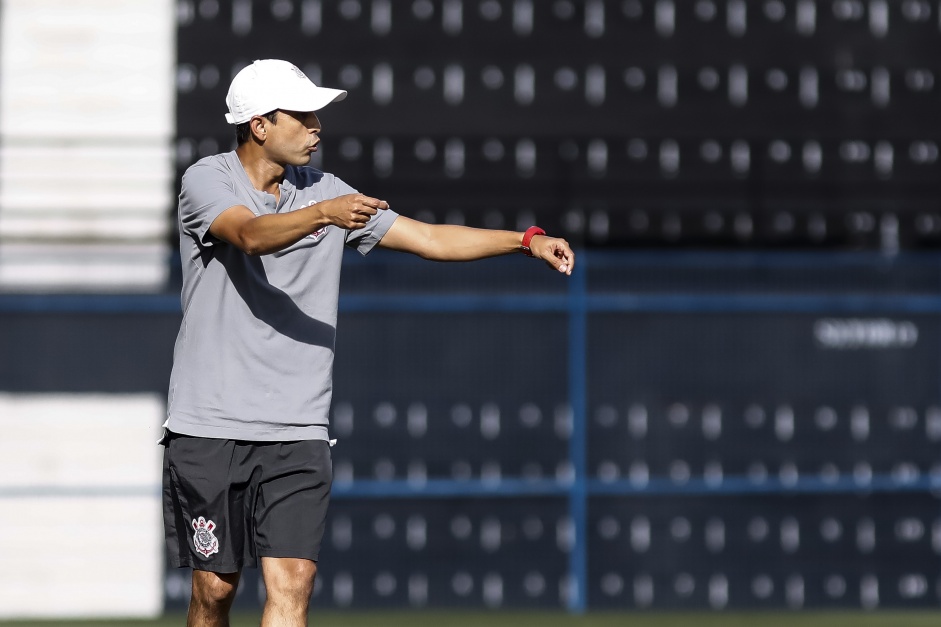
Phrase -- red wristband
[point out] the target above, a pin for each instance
(528, 237)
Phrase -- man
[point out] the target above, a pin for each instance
(247, 468)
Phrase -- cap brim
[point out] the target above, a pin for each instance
(312, 100)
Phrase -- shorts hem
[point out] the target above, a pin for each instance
(293, 553)
(226, 567)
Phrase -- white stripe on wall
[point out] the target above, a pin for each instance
(81, 532)
(86, 126)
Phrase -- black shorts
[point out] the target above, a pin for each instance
(226, 503)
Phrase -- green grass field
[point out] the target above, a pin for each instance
(522, 619)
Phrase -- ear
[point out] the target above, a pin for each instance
(258, 126)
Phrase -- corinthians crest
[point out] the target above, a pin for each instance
(203, 539)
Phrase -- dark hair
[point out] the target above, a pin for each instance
(243, 131)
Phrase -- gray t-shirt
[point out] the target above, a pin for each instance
(254, 356)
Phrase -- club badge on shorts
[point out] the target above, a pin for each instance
(203, 539)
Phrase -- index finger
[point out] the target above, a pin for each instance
(375, 203)
(568, 256)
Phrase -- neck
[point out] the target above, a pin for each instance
(265, 174)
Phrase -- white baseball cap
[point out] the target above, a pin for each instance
(270, 84)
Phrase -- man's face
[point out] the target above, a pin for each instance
(293, 137)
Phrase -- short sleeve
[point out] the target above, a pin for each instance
(364, 239)
(206, 191)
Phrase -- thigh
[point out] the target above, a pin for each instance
(288, 576)
(292, 499)
(210, 587)
(205, 505)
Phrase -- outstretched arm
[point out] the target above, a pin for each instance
(446, 242)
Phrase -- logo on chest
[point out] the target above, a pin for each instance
(316, 235)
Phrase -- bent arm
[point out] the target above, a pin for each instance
(266, 234)
(446, 242)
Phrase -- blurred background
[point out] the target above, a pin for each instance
(732, 404)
